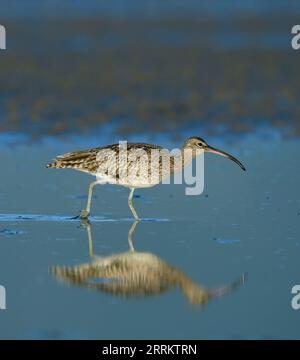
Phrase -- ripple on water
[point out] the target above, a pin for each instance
(226, 241)
(11, 232)
(64, 218)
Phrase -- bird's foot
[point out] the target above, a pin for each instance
(84, 215)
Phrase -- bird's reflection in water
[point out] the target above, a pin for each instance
(134, 273)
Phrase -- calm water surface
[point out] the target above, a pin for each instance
(242, 223)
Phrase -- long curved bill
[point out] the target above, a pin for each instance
(225, 154)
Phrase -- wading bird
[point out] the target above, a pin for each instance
(133, 166)
(136, 274)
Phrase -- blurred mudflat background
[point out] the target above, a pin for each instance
(89, 73)
(147, 69)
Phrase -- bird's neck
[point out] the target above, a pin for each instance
(195, 293)
(188, 154)
(183, 159)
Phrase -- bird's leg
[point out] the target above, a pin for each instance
(130, 233)
(130, 204)
(84, 214)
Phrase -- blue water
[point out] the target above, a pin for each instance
(237, 243)
(242, 223)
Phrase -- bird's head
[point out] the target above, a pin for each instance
(197, 143)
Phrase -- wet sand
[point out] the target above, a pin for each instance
(72, 76)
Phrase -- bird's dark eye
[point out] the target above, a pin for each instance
(200, 144)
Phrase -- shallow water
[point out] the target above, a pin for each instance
(243, 223)
(219, 265)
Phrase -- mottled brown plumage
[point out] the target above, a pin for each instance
(137, 165)
(86, 160)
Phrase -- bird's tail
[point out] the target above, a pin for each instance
(50, 166)
(53, 165)
(75, 160)
(56, 164)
